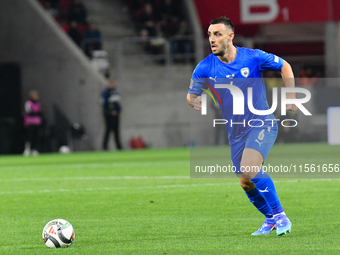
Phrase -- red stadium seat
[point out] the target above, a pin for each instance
(65, 27)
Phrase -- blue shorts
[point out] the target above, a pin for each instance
(260, 139)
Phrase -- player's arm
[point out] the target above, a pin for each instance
(288, 79)
(194, 101)
(194, 98)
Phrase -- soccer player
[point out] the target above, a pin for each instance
(250, 146)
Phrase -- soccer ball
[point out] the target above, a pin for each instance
(64, 149)
(58, 233)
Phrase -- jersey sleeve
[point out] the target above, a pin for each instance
(198, 79)
(269, 62)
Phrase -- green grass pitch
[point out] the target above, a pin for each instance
(143, 202)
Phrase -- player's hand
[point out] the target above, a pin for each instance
(198, 103)
(291, 107)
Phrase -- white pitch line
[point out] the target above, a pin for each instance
(126, 177)
(108, 188)
(149, 187)
(81, 178)
(98, 165)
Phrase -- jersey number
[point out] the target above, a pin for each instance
(261, 135)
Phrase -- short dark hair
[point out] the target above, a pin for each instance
(223, 20)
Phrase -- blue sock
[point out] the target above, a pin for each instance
(260, 203)
(265, 185)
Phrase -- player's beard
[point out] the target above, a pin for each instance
(222, 51)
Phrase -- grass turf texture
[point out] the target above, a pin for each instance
(143, 202)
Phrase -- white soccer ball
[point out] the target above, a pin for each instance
(58, 233)
(64, 149)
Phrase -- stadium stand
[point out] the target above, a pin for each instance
(160, 20)
(73, 19)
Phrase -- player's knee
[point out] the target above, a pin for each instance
(246, 184)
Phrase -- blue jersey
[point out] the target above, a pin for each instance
(243, 72)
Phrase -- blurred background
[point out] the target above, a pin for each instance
(69, 50)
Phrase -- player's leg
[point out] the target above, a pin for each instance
(116, 132)
(255, 197)
(251, 165)
(29, 134)
(261, 204)
(107, 132)
(252, 193)
(35, 140)
(258, 145)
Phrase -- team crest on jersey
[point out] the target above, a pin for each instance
(245, 72)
